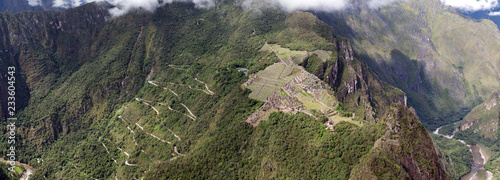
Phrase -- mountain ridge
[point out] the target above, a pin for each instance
(426, 49)
(159, 96)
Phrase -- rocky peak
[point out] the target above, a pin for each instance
(493, 101)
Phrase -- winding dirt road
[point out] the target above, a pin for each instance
(206, 86)
(188, 110)
(157, 113)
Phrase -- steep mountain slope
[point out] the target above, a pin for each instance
(480, 126)
(158, 96)
(405, 151)
(484, 118)
(456, 156)
(446, 63)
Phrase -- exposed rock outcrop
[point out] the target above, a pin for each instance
(484, 118)
(355, 84)
(495, 100)
(406, 146)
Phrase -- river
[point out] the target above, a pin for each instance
(478, 172)
(26, 174)
(479, 157)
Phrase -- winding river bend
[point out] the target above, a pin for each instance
(27, 173)
(477, 171)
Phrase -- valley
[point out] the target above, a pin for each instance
(479, 159)
(445, 63)
(229, 92)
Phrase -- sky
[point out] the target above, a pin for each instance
(478, 9)
(472, 5)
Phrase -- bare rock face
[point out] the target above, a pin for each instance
(354, 83)
(494, 101)
(467, 125)
(406, 146)
(484, 118)
(345, 49)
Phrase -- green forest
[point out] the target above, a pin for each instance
(158, 96)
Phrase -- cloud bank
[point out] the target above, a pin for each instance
(66, 3)
(35, 2)
(124, 6)
(497, 13)
(471, 5)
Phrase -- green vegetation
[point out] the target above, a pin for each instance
(9, 175)
(401, 148)
(313, 63)
(441, 60)
(482, 123)
(449, 129)
(285, 146)
(77, 93)
(157, 96)
(456, 156)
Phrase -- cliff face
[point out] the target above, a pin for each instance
(47, 48)
(429, 51)
(481, 127)
(484, 118)
(355, 84)
(405, 151)
(83, 93)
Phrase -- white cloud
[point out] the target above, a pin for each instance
(124, 6)
(471, 5)
(69, 3)
(60, 3)
(497, 13)
(35, 2)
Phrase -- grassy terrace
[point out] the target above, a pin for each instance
(275, 76)
(272, 79)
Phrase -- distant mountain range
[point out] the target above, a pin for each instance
(447, 64)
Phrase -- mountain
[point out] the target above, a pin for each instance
(480, 127)
(484, 118)
(485, 14)
(445, 62)
(161, 96)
